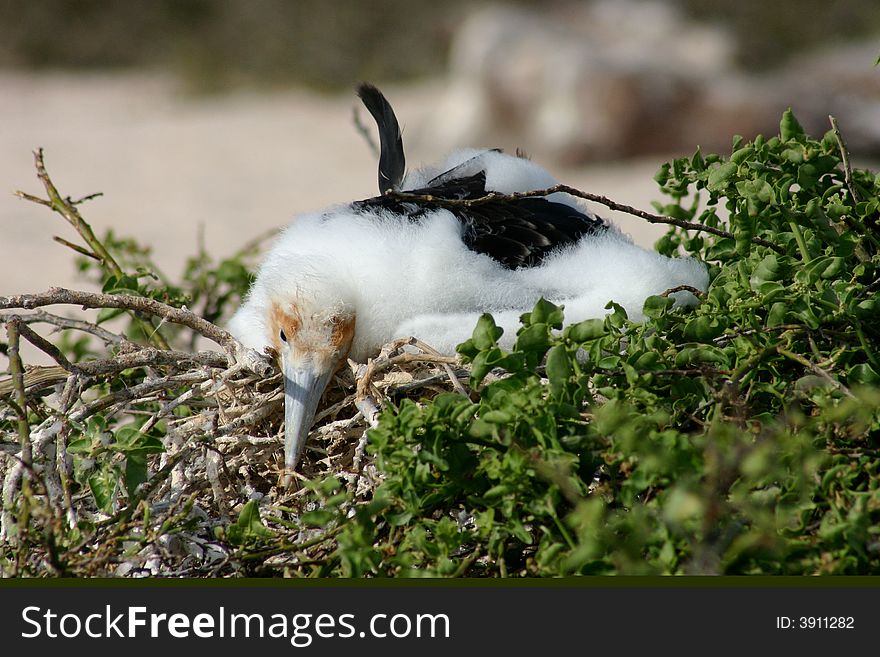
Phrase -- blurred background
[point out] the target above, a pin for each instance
(219, 120)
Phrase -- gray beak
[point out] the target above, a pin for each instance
(303, 387)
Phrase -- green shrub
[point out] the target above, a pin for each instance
(736, 437)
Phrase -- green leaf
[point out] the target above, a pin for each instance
(835, 268)
(742, 154)
(704, 328)
(106, 314)
(585, 331)
(249, 527)
(789, 128)
(122, 284)
(794, 155)
(648, 361)
(700, 354)
(662, 175)
(135, 470)
(109, 284)
(758, 193)
(807, 176)
(777, 314)
(719, 177)
(232, 271)
(682, 505)
(479, 428)
(486, 333)
(608, 362)
(484, 363)
(79, 446)
(558, 368)
(497, 417)
(497, 491)
(771, 291)
(655, 305)
(863, 373)
(129, 438)
(825, 267)
(317, 518)
(771, 268)
(534, 338)
(103, 485)
(545, 312)
(868, 309)
(399, 519)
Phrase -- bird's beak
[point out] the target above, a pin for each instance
(303, 386)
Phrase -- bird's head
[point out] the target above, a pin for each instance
(312, 342)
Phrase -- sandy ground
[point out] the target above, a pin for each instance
(237, 164)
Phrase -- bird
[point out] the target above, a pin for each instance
(416, 261)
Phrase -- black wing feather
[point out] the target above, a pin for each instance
(392, 161)
(515, 232)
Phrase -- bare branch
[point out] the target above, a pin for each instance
(250, 418)
(44, 345)
(87, 197)
(813, 367)
(24, 436)
(67, 209)
(59, 295)
(386, 360)
(103, 334)
(684, 288)
(36, 379)
(447, 367)
(364, 132)
(596, 198)
(844, 156)
(136, 392)
(75, 247)
(17, 370)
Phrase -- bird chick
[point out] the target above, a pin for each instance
(341, 283)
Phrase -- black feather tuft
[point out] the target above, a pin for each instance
(392, 162)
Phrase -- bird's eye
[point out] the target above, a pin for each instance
(283, 337)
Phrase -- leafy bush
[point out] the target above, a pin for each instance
(736, 437)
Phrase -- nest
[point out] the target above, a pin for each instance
(223, 452)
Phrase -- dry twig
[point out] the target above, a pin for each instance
(844, 156)
(596, 198)
(684, 288)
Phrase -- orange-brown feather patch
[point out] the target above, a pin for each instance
(343, 334)
(287, 321)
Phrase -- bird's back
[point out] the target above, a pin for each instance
(515, 232)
